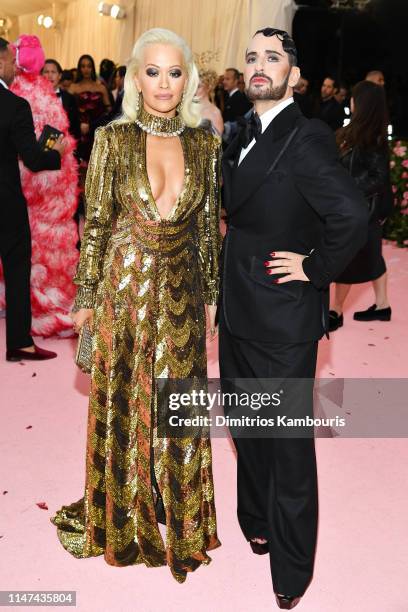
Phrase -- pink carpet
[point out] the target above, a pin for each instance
(361, 561)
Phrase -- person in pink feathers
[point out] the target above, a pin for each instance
(51, 201)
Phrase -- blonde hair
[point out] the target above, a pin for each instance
(209, 77)
(190, 109)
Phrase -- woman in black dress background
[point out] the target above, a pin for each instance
(364, 153)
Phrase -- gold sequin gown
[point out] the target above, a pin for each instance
(148, 280)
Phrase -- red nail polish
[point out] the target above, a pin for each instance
(272, 254)
(269, 271)
(276, 281)
(266, 264)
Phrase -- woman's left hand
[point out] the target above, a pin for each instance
(286, 262)
(211, 312)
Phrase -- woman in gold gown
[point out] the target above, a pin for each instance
(149, 263)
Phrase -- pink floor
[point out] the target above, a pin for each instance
(361, 562)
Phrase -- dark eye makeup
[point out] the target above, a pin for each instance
(175, 73)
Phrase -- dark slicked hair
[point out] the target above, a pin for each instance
(56, 64)
(3, 44)
(336, 83)
(235, 71)
(288, 44)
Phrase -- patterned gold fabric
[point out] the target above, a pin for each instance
(148, 279)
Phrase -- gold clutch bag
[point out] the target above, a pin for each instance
(83, 357)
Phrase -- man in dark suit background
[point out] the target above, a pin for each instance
(236, 103)
(52, 71)
(294, 220)
(303, 98)
(17, 138)
(326, 107)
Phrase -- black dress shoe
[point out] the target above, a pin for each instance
(259, 549)
(335, 320)
(38, 354)
(373, 314)
(286, 602)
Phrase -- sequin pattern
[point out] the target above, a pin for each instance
(147, 279)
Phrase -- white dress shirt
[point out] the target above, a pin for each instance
(266, 119)
(231, 93)
(3, 83)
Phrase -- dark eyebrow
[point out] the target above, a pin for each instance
(268, 51)
(273, 51)
(170, 67)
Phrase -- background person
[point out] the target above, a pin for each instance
(17, 139)
(52, 71)
(205, 93)
(364, 153)
(376, 76)
(51, 201)
(326, 107)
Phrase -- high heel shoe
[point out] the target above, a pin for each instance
(286, 602)
(259, 549)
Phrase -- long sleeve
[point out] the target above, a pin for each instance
(99, 218)
(374, 175)
(25, 143)
(208, 227)
(333, 195)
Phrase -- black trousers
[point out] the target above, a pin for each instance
(15, 253)
(277, 479)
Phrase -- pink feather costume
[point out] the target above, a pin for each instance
(52, 201)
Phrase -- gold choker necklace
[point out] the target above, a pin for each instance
(160, 126)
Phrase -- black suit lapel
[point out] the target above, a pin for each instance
(254, 168)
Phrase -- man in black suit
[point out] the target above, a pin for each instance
(52, 71)
(236, 103)
(294, 220)
(327, 108)
(302, 97)
(17, 138)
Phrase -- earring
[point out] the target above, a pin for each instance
(181, 103)
(139, 100)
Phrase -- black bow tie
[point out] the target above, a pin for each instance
(251, 128)
(59, 94)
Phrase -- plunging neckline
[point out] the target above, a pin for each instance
(153, 203)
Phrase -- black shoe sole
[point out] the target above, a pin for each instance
(368, 320)
(332, 329)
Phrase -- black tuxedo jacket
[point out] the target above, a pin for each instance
(287, 195)
(17, 138)
(70, 107)
(235, 106)
(331, 112)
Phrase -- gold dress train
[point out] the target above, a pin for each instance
(148, 279)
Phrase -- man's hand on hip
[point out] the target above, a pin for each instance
(286, 262)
